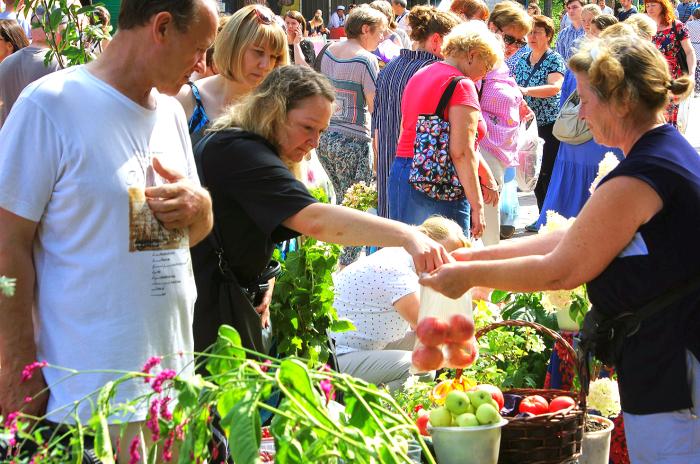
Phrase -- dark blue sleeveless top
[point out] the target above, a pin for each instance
(664, 253)
(199, 119)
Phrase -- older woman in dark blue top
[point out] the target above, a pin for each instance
(634, 242)
(428, 27)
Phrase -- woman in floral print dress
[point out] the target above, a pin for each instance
(671, 36)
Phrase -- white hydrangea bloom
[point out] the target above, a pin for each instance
(608, 163)
(604, 396)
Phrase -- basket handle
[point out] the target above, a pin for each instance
(543, 331)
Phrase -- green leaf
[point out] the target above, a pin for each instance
(294, 376)
(342, 325)
(78, 440)
(499, 296)
(103, 444)
(242, 426)
(188, 389)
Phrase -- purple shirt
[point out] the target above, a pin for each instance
(500, 107)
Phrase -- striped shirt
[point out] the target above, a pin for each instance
(566, 41)
(694, 35)
(386, 118)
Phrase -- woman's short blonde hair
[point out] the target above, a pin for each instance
(444, 230)
(624, 70)
(361, 15)
(251, 26)
(264, 110)
(643, 25)
(592, 9)
(473, 36)
(384, 7)
(508, 13)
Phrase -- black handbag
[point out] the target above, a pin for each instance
(604, 337)
(237, 302)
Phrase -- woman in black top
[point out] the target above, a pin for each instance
(247, 165)
(301, 51)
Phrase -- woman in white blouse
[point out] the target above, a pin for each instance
(379, 294)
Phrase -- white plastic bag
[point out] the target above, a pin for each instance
(529, 156)
(445, 332)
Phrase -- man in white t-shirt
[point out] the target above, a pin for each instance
(605, 9)
(401, 14)
(99, 204)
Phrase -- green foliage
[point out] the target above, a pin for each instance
(302, 310)
(307, 425)
(68, 31)
(319, 193)
(512, 357)
(416, 393)
(7, 286)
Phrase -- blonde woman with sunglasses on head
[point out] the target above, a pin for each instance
(250, 45)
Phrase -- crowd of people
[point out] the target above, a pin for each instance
(139, 223)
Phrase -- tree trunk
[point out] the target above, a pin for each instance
(548, 8)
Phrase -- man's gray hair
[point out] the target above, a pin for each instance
(400, 2)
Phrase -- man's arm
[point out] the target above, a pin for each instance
(17, 346)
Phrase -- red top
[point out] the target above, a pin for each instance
(422, 95)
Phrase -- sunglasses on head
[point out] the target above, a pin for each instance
(510, 40)
(263, 15)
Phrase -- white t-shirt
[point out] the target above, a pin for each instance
(112, 288)
(365, 292)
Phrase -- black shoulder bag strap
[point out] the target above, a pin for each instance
(319, 57)
(215, 238)
(537, 66)
(446, 96)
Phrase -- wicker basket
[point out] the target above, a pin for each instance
(547, 438)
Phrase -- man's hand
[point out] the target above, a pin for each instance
(180, 204)
(264, 307)
(14, 392)
(427, 253)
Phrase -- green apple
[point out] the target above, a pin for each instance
(471, 409)
(467, 420)
(494, 403)
(440, 417)
(457, 402)
(479, 397)
(487, 414)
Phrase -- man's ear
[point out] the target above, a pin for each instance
(161, 25)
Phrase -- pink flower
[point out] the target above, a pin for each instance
(266, 365)
(134, 455)
(179, 430)
(168, 447)
(152, 422)
(28, 399)
(150, 364)
(164, 412)
(327, 389)
(157, 384)
(29, 369)
(12, 427)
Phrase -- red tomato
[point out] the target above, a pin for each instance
(561, 402)
(422, 424)
(495, 393)
(534, 404)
